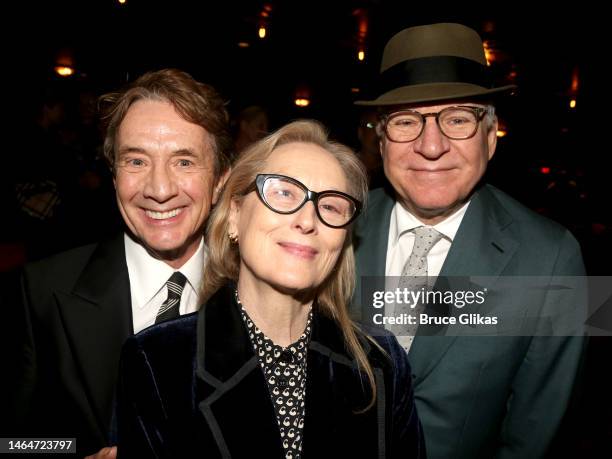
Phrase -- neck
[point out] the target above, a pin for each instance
(431, 217)
(174, 258)
(282, 317)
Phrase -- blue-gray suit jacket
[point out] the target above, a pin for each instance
(487, 396)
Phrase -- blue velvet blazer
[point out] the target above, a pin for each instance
(193, 387)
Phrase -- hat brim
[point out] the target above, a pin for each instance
(433, 92)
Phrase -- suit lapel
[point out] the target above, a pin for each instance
(481, 247)
(372, 234)
(238, 409)
(370, 241)
(323, 402)
(235, 401)
(98, 319)
(334, 392)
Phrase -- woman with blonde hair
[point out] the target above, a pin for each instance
(272, 366)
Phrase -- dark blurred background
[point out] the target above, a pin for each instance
(57, 193)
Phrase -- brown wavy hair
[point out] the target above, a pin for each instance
(334, 294)
(196, 102)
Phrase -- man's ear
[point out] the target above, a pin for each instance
(381, 145)
(219, 185)
(492, 138)
(381, 137)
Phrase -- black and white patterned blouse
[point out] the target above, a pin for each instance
(285, 373)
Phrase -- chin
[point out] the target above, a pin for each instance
(293, 284)
(166, 241)
(436, 202)
(162, 247)
(434, 207)
(166, 248)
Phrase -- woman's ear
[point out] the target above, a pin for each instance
(233, 218)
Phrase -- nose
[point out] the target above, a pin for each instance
(305, 219)
(431, 143)
(160, 184)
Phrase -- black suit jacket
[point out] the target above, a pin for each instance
(76, 316)
(193, 387)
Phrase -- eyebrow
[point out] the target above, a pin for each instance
(126, 150)
(179, 152)
(184, 152)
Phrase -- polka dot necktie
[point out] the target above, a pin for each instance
(170, 308)
(414, 278)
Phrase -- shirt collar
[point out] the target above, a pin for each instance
(264, 346)
(148, 275)
(403, 221)
(304, 337)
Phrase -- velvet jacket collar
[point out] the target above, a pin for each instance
(225, 360)
(193, 387)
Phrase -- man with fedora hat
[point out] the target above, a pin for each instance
(477, 396)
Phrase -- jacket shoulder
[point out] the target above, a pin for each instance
(384, 350)
(534, 227)
(166, 335)
(525, 215)
(389, 344)
(379, 204)
(58, 271)
(60, 259)
(545, 239)
(377, 196)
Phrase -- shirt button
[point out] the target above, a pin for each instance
(286, 357)
(281, 382)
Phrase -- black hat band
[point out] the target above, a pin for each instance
(436, 69)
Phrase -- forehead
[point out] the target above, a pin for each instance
(155, 124)
(311, 164)
(158, 118)
(434, 107)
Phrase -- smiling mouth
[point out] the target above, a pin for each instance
(302, 251)
(433, 171)
(163, 215)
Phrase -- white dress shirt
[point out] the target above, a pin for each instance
(401, 240)
(399, 247)
(148, 277)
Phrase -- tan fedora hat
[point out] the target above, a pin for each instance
(432, 63)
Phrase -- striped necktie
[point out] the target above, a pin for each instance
(170, 308)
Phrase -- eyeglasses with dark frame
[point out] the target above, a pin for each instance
(286, 195)
(457, 123)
